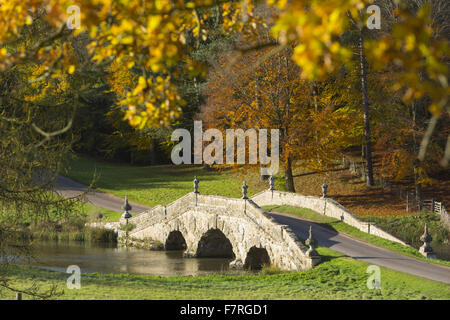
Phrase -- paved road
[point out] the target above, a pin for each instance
(325, 237)
(364, 251)
(69, 188)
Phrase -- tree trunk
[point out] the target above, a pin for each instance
(418, 186)
(152, 153)
(288, 176)
(368, 147)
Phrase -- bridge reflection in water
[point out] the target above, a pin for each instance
(110, 259)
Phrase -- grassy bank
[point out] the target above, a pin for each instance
(95, 213)
(338, 225)
(162, 184)
(336, 278)
(411, 227)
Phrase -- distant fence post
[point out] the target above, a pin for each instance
(19, 296)
(439, 207)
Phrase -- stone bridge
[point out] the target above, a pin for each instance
(215, 226)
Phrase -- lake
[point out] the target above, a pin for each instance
(102, 258)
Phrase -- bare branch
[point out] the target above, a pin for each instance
(49, 135)
(427, 137)
(445, 160)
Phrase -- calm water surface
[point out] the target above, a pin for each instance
(94, 257)
(112, 259)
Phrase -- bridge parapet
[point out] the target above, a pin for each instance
(322, 205)
(160, 213)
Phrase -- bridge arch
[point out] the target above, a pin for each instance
(214, 244)
(256, 258)
(175, 241)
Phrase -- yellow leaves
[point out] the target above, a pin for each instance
(71, 69)
(142, 84)
(126, 40)
(153, 23)
(195, 31)
(126, 25)
(436, 108)
(315, 26)
(150, 107)
(28, 20)
(135, 120)
(152, 102)
(171, 50)
(281, 4)
(413, 48)
(410, 42)
(158, 41)
(137, 31)
(93, 32)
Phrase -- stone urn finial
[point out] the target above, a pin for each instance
(126, 207)
(271, 183)
(196, 185)
(244, 190)
(426, 249)
(312, 243)
(324, 190)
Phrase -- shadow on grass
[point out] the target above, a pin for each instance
(328, 258)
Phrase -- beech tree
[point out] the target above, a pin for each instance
(256, 91)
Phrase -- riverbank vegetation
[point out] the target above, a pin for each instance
(63, 231)
(54, 227)
(338, 277)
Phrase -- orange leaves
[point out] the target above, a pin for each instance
(272, 95)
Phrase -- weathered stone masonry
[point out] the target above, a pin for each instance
(237, 225)
(247, 227)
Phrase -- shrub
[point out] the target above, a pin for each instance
(101, 235)
(95, 216)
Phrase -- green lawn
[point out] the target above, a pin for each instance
(93, 211)
(162, 184)
(338, 277)
(340, 226)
